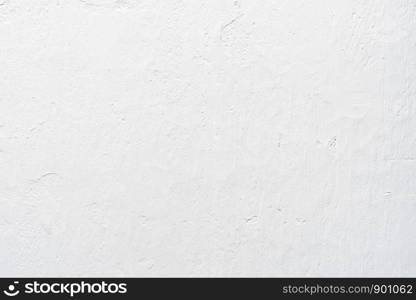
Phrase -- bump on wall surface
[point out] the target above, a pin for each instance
(207, 138)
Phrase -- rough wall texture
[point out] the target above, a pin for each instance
(207, 138)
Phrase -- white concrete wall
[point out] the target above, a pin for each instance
(207, 138)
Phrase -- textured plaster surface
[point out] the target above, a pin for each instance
(207, 138)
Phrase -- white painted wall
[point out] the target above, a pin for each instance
(207, 138)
